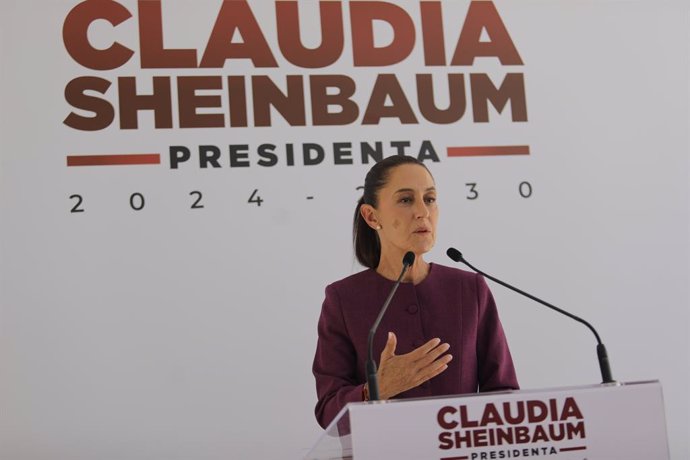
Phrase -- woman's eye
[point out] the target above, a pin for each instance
(431, 199)
(405, 200)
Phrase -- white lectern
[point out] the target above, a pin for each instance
(597, 422)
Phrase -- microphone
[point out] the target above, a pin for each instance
(601, 349)
(407, 261)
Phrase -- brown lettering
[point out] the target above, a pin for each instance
(235, 15)
(537, 411)
(131, 103)
(321, 100)
(189, 101)
(463, 437)
(75, 34)
(427, 106)
(445, 440)
(479, 438)
(387, 86)
(521, 435)
(332, 39)
(518, 417)
(237, 93)
(576, 429)
(432, 33)
(464, 421)
(491, 415)
(484, 16)
(441, 417)
(512, 89)
(539, 434)
(553, 409)
(153, 53)
(556, 432)
(104, 114)
(362, 17)
(267, 94)
(570, 409)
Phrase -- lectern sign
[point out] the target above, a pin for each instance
(597, 422)
(511, 425)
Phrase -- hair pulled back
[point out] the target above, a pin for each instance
(364, 238)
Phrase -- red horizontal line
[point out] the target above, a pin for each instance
(110, 160)
(568, 449)
(485, 151)
(455, 458)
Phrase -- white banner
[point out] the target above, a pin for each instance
(178, 178)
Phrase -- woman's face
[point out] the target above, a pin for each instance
(407, 211)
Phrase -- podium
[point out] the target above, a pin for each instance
(595, 422)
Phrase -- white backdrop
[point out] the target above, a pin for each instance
(177, 333)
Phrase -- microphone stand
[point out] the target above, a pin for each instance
(602, 355)
(408, 260)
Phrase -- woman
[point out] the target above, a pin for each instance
(444, 335)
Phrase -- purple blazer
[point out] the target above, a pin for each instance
(453, 305)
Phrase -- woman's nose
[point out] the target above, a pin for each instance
(421, 209)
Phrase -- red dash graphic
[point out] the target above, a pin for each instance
(455, 458)
(488, 151)
(112, 160)
(568, 449)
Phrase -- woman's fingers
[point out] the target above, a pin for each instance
(418, 353)
(433, 369)
(398, 373)
(389, 350)
(432, 355)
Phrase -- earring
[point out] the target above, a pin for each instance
(378, 227)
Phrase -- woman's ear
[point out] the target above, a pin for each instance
(368, 213)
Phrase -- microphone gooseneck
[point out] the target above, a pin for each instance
(602, 355)
(407, 261)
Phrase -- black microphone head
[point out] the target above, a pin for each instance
(454, 254)
(408, 259)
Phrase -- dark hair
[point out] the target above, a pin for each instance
(364, 238)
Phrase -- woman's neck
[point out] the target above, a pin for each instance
(390, 268)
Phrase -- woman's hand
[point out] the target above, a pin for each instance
(398, 373)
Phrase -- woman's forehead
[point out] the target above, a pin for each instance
(409, 176)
